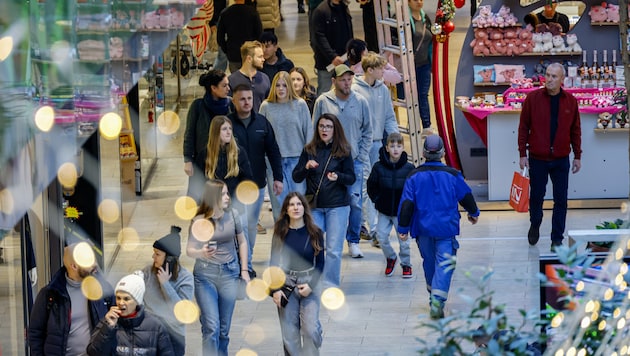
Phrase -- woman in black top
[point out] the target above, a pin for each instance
(297, 249)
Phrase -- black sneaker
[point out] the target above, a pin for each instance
(437, 310)
(301, 9)
(533, 235)
(364, 233)
(555, 244)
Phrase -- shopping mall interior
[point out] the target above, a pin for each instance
(379, 315)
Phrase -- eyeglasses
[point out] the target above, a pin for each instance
(325, 127)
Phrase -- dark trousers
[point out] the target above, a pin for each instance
(558, 171)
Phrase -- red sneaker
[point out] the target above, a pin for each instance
(407, 273)
(391, 263)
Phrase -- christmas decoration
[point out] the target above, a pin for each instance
(460, 3)
(443, 17)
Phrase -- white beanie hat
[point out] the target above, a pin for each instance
(134, 285)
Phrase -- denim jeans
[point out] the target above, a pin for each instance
(253, 213)
(423, 83)
(558, 171)
(215, 292)
(356, 202)
(300, 326)
(324, 81)
(288, 185)
(435, 251)
(383, 229)
(334, 222)
(368, 217)
(221, 61)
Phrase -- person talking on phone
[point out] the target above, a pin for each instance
(215, 233)
(297, 247)
(167, 282)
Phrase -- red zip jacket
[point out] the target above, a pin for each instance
(534, 127)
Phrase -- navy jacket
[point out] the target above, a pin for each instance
(283, 64)
(50, 318)
(258, 140)
(386, 182)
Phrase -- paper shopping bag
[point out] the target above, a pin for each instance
(519, 192)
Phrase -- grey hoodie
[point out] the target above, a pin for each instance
(381, 107)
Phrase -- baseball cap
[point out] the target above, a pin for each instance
(341, 70)
(433, 144)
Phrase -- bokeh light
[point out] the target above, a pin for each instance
(572, 351)
(60, 52)
(185, 208)
(6, 47)
(202, 230)
(582, 352)
(274, 277)
(83, 255)
(246, 352)
(257, 290)
(7, 203)
(45, 118)
(247, 192)
(608, 294)
(560, 352)
(586, 321)
(186, 311)
(168, 122)
(110, 126)
(108, 211)
(621, 323)
(557, 320)
(128, 239)
(254, 334)
(579, 286)
(67, 175)
(602, 325)
(91, 288)
(333, 298)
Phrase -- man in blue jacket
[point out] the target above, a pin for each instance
(429, 212)
(255, 134)
(63, 318)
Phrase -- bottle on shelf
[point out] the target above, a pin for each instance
(603, 71)
(585, 78)
(613, 68)
(594, 71)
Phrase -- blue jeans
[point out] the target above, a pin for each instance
(215, 291)
(334, 222)
(435, 251)
(423, 83)
(288, 163)
(300, 326)
(356, 202)
(383, 229)
(221, 61)
(253, 213)
(324, 81)
(558, 171)
(368, 218)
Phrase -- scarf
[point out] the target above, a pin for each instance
(218, 107)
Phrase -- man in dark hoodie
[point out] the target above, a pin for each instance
(275, 60)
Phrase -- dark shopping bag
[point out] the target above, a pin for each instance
(519, 192)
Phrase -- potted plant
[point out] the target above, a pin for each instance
(604, 246)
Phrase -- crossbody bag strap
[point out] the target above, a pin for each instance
(323, 172)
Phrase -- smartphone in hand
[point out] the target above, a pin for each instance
(168, 265)
(284, 301)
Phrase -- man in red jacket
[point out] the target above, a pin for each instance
(549, 128)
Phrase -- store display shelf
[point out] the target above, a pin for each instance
(503, 84)
(534, 54)
(614, 129)
(80, 32)
(128, 59)
(607, 23)
(506, 26)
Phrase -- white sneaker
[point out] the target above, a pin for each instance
(354, 250)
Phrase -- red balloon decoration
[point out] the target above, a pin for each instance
(459, 3)
(448, 27)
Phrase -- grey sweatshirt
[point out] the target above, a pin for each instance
(381, 107)
(291, 123)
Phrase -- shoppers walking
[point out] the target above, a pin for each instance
(214, 102)
(127, 329)
(255, 134)
(291, 120)
(353, 111)
(326, 164)
(63, 318)
(302, 86)
(384, 186)
(429, 213)
(238, 23)
(297, 248)
(217, 269)
(549, 129)
(250, 73)
(167, 283)
(422, 38)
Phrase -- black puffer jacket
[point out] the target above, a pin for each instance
(386, 182)
(331, 194)
(140, 335)
(50, 318)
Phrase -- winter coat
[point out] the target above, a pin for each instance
(198, 121)
(244, 172)
(534, 129)
(282, 64)
(331, 29)
(139, 335)
(269, 11)
(50, 318)
(386, 182)
(237, 24)
(331, 194)
(429, 201)
(259, 140)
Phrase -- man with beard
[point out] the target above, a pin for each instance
(63, 317)
(250, 73)
(353, 111)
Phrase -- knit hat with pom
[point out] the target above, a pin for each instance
(134, 285)
(171, 243)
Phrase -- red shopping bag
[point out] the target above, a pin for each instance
(519, 192)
